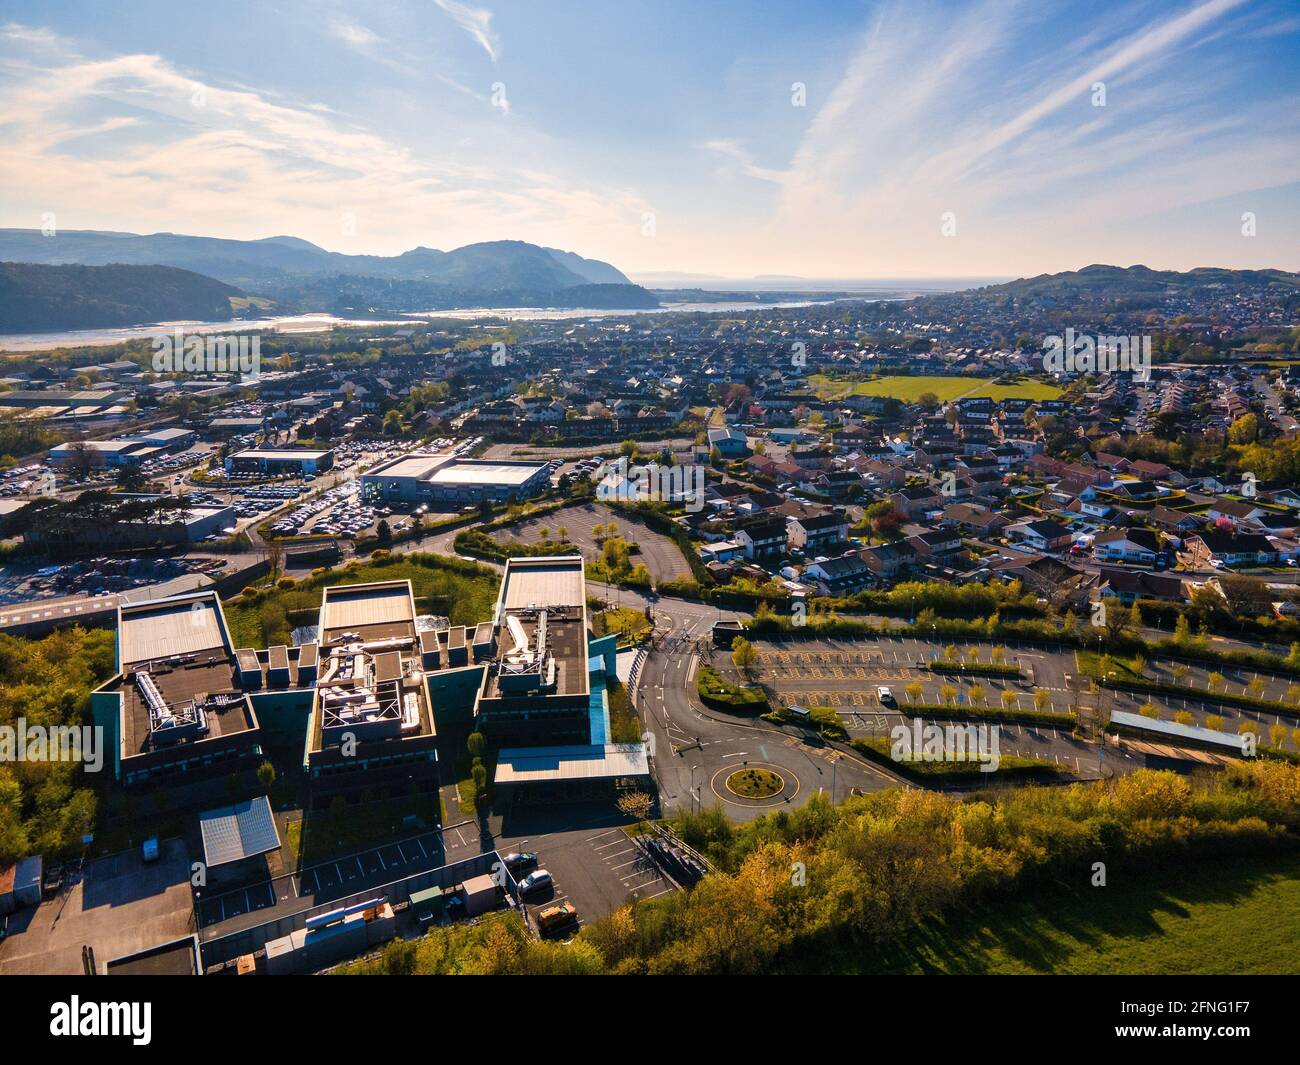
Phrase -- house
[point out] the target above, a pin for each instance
(1175, 522)
(887, 560)
(1229, 549)
(838, 576)
(917, 500)
(817, 534)
(763, 538)
(936, 543)
(731, 443)
(978, 520)
(1127, 585)
(1042, 535)
(1127, 545)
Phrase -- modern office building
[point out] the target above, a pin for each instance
(446, 480)
(371, 711)
(177, 705)
(543, 700)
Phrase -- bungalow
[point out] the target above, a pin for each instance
(1042, 535)
(1229, 549)
(1126, 585)
(1127, 545)
(1172, 521)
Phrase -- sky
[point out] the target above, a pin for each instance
(816, 139)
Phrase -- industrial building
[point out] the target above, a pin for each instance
(130, 449)
(446, 480)
(271, 461)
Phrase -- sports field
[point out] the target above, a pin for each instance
(911, 389)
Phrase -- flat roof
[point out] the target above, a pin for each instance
(177, 958)
(521, 765)
(461, 471)
(355, 606)
(243, 830)
(416, 465)
(543, 582)
(289, 455)
(168, 627)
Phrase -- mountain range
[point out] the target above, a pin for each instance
(301, 276)
(36, 297)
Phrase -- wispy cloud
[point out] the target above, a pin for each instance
(936, 112)
(476, 21)
(175, 152)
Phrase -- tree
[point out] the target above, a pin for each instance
(1150, 710)
(1277, 734)
(1184, 717)
(384, 533)
(744, 656)
(998, 655)
(1255, 687)
(914, 691)
(1245, 430)
(1042, 699)
(1214, 721)
(1009, 698)
(635, 804)
(947, 694)
(476, 744)
(266, 775)
(978, 696)
(1215, 681)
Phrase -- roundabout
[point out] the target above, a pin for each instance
(755, 784)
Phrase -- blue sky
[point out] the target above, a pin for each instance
(672, 136)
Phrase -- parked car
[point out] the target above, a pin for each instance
(517, 860)
(885, 696)
(554, 917)
(537, 880)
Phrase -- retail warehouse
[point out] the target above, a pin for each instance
(422, 477)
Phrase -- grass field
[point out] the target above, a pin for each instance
(910, 389)
(1234, 917)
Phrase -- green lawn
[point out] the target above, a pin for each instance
(1230, 917)
(910, 389)
(1122, 667)
(463, 591)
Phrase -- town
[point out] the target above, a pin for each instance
(402, 632)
